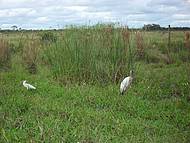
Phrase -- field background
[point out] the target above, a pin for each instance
(77, 72)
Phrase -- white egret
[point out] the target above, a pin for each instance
(28, 86)
(126, 83)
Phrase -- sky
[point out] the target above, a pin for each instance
(44, 14)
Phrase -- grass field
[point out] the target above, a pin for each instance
(77, 73)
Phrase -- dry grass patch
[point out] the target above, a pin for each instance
(187, 40)
(140, 45)
(30, 55)
(5, 54)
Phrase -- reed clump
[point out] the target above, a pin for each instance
(128, 56)
(88, 55)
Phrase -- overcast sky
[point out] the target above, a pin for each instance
(58, 13)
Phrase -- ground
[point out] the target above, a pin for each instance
(152, 110)
(77, 74)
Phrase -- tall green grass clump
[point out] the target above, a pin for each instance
(95, 54)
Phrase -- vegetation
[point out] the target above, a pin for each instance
(77, 72)
(48, 37)
(4, 54)
(156, 27)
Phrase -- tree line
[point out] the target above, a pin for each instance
(147, 27)
(151, 27)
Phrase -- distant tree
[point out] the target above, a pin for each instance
(152, 27)
(147, 27)
(14, 27)
(156, 27)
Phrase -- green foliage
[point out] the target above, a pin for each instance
(97, 55)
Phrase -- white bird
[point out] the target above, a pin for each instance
(126, 83)
(27, 85)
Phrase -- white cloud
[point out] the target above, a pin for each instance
(17, 12)
(41, 20)
(76, 8)
(46, 13)
(4, 26)
(181, 17)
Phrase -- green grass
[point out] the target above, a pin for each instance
(149, 112)
(77, 97)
